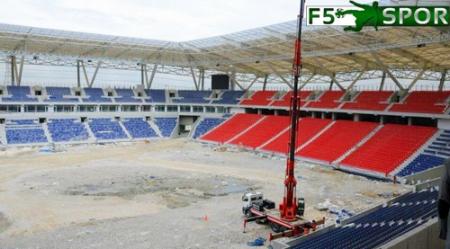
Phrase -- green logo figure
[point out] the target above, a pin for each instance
(370, 15)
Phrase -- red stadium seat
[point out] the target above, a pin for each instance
(286, 100)
(262, 132)
(337, 140)
(328, 100)
(370, 100)
(259, 98)
(423, 102)
(231, 127)
(307, 128)
(389, 147)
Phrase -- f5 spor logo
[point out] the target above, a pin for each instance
(372, 15)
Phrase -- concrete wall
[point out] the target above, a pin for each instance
(423, 237)
(426, 175)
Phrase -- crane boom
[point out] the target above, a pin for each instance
(288, 207)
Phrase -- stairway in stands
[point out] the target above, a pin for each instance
(433, 154)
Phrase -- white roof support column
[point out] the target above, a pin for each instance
(280, 76)
(194, 78)
(95, 74)
(85, 73)
(233, 78)
(395, 80)
(333, 80)
(149, 82)
(306, 82)
(78, 73)
(19, 75)
(383, 81)
(266, 77)
(12, 60)
(413, 83)
(252, 83)
(350, 87)
(143, 74)
(202, 79)
(388, 72)
(442, 80)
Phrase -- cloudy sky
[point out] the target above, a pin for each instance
(176, 20)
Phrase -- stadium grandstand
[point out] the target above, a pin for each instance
(374, 104)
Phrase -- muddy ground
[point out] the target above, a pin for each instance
(165, 194)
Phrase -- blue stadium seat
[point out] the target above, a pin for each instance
(95, 95)
(206, 125)
(155, 96)
(19, 94)
(67, 130)
(138, 128)
(229, 98)
(380, 226)
(126, 95)
(107, 129)
(433, 156)
(166, 125)
(60, 94)
(195, 97)
(24, 132)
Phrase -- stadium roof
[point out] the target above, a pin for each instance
(329, 52)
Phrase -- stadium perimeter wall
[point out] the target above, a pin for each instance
(426, 236)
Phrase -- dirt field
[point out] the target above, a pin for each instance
(166, 194)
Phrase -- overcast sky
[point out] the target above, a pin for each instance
(176, 20)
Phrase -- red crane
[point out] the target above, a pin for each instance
(289, 221)
(289, 205)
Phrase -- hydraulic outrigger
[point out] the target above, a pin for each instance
(289, 222)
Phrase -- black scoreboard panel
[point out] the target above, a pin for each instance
(220, 82)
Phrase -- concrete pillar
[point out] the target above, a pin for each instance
(334, 116)
(410, 121)
(356, 117)
(323, 115)
(78, 74)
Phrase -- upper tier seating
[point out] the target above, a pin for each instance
(60, 94)
(389, 147)
(370, 100)
(206, 125)
(95, 95)
(195, 97)
(126, 95)
(434, 155)
(67, 130)
(262, 132)
(138, 128)
(259, 98)
(19, 94)
(229, 98)
(155, 96)
(423, 102)
(379, 226)
(307, 129)
(328, 100)
(232, 127)
(166, 125)
(25, 132)
(286, 100)
(337, 140)
(107, 129)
